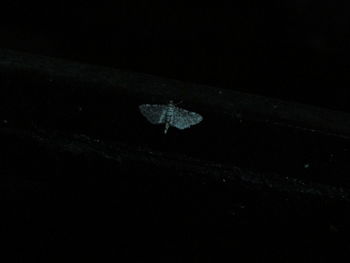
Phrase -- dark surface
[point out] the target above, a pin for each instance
(296, 50)
(85, 178)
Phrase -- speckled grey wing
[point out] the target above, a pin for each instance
(183, 119)
(155, 114)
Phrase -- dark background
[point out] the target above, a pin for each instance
(296, 50)
(80, 187)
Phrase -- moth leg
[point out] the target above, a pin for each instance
(167, 125)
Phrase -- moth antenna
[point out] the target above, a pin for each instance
(178, 103)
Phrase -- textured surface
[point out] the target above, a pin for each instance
(85, 178)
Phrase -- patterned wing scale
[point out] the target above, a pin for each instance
(155, 114)
(183, 119)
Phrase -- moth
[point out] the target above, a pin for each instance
(170, 115)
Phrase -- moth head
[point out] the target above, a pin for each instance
(173, 103)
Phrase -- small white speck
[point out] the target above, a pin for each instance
(307, 165)
(224, 180)
(220, 92)
(239, 117)
(80, 108)
(5, 121)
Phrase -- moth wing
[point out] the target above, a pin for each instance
(183, 119)
(155, 114)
